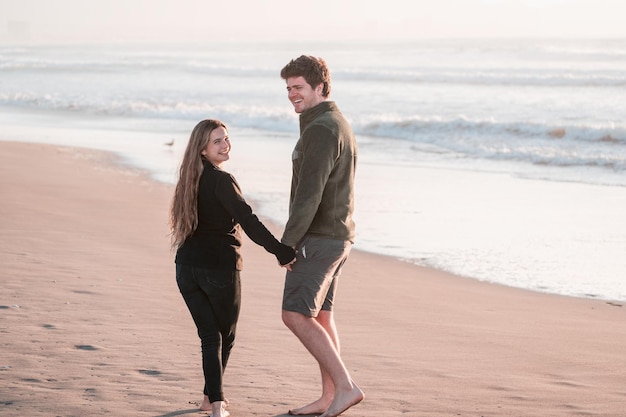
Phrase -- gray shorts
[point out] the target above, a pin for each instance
(312, 284)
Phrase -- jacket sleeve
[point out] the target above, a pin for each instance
(318, 154)
(230, 196)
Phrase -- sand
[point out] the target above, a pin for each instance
(92, 324)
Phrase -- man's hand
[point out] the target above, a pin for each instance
(288, 265)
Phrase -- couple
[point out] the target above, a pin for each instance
(207, 214)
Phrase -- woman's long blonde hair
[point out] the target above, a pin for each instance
(184, 209)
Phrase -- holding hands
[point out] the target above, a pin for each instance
(286, 256)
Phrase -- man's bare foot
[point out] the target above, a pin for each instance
(344, 400)
(315, 408)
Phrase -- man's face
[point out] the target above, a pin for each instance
(302, 95)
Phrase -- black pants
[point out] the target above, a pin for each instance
(214, 299)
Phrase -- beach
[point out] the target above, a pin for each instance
(92, 324)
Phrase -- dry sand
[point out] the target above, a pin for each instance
(92, 324)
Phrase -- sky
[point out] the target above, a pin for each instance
(210, 20)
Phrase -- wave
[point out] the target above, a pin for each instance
(447, 76)
(268, 118)
(485, 76)
(601, 146)
(43, 67)
(281, 118)
(408, 128)
(536, 143)
(608, 50)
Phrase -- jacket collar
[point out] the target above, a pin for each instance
(313, 113)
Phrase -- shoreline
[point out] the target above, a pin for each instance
(495, 226)
(92, 322)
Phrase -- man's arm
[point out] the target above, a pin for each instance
(318, 155)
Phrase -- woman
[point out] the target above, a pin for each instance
(207, 214)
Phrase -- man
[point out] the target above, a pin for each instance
(320, 228)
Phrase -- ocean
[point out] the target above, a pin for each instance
(498, 160)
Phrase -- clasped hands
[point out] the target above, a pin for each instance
(288, 265)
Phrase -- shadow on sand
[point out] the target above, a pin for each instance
(180, 413)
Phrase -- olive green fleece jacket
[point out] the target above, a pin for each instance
(322, 184)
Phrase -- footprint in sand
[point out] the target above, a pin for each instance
(85, 347)
(149, 372)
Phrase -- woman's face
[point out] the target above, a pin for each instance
(216, 151)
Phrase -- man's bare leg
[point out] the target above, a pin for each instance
(326, 320)
(322, 346)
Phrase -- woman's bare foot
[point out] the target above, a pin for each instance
(344, 400)
(315, 408)
(206, 404)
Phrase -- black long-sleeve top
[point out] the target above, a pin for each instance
(222, 213)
